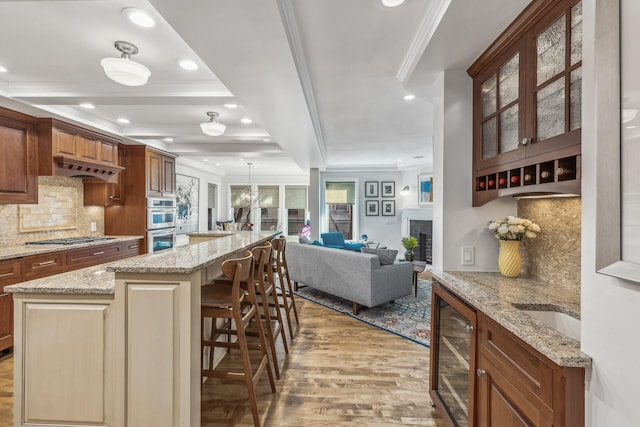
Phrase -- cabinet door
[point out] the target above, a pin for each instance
(64, 143)
(154, 174)
(87, 148)
(18, 160)
(168, 176)
(555, 96)
(6, 320)
(499, 109)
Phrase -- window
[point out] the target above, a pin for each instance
(268, 202)
(295, 200)
(241, 203)
(340, 198)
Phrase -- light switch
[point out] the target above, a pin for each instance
(468, 255)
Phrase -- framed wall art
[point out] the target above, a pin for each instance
(388, 188)
(187, 198)
(388, 208)
(371, 189)
(425, 189)
(372, 208)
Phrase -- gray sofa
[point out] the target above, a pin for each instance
(354, 276)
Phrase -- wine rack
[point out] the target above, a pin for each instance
(554, 176)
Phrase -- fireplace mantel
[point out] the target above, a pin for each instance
(422, 214)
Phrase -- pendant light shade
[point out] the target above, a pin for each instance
(212, 127)
(123, 70)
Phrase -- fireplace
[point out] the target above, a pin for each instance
(419, 224)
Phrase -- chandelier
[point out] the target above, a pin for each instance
(123, 70)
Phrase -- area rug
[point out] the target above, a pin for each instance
(408, 317)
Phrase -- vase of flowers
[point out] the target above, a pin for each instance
(409, 243)
(511, 231)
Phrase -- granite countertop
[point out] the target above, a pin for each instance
(100, 279)
(18, 251)
(190, 258)
(502, 298)
(213, 233)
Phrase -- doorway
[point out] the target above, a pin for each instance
(212, 196)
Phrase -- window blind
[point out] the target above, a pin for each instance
(237, 191)
(338, 193)
(268, 196)
(295, 197)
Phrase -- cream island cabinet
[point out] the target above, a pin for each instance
(117, 344)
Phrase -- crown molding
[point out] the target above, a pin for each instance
(287, 14)
(428, 26)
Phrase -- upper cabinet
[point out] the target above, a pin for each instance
(69, 150)
(18, 158)
(161, 176)
(527, 104)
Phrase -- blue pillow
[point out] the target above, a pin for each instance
(353, 246)
(316, 243)
(333, 238)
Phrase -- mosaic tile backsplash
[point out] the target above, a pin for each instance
(553, 256)
(60, 212)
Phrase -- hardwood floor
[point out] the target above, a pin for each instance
(339, 372)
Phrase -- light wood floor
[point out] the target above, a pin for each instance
(339, 372)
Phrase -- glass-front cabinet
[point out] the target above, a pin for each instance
(453, 346)
(527, 95)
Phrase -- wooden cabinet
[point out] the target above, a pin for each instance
(37, 266)
(10, 273)
(132, 248)
(453, 355)
(161, 178)
(100, 193)
(527, 104)
(93, 255)
(69, 150)
(18, 158)
(517, 385)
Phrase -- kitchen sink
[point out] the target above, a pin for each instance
(561, 322)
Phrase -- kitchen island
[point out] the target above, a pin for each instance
(117, 344)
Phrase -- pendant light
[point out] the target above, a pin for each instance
(212, 127)
(123, 70)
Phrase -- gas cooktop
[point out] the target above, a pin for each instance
(69, 241)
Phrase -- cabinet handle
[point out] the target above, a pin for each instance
(481, 372)
(525, 141)
(46, 262)
(469, 328)
(98, 253)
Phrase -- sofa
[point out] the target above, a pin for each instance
(354, 276)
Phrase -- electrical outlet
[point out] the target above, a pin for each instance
(94, 226)
(468, 255)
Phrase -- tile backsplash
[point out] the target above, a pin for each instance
(553, 256)
(55, 211)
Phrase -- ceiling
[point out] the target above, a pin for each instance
(322, 80)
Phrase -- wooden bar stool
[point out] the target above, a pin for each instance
(285, 291)
(267, 297)
(226, 299)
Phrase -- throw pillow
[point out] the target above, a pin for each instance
(317, 243)
(387, 256)
(304, 240)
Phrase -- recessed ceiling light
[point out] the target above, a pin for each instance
(217, 164)
(631, 127)
(205, 160)
(3, 69)
(88, 105)
(246, 120)
(409, 97)
(187, 64)
(231, 105)
(399, 160)
(392, 3)
(138, 17)
(242, 160)
(267, 139)
(168, 140)
(124, 120)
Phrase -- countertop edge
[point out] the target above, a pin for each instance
(540, 337)
(21, 251)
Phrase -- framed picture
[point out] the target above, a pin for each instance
(425, 189)
(187, 197)
(388, 189)
(388, 208)
(372, 207)
(371, 189)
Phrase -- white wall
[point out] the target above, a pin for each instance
(610, 307)
(455, 222)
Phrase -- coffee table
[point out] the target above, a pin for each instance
(418, 267)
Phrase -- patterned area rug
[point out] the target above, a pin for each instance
(408, 317)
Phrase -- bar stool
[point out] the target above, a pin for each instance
(285, 291)
(226, 299)
(265, 289)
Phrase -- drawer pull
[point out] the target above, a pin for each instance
(481, 372)
(7, 274)
(47, 262)
(469, 328)
(98, 253)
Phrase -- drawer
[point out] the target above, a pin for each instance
(132, 248)
(6, 321)
(37, 266)
(80, 258)
(526, 369)
(10, 272)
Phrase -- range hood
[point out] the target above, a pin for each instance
(76, 168)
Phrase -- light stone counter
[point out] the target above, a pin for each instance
(502, 298)
(213, 233)
(17, 251)
(89, 280)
